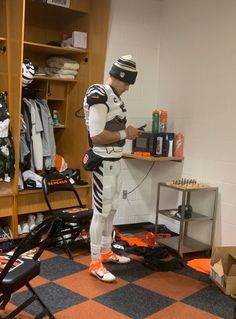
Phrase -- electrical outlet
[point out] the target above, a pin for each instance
(125, 193)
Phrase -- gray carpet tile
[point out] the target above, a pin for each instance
(73, 246)
(57, 250)
(130, 271)
(190, 272)
(212, 299)
(56, 298)
(134, 301)
(58, 267)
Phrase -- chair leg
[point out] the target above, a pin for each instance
(20, 308)
(34, 297)
(42, 315)
(40, 301)
(4, 301)
(67, 249)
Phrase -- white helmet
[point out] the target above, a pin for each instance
(28, 72)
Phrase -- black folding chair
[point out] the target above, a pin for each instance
(17, 271)
(75, 218)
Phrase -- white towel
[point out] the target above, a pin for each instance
(62, 63)
(52, 71)
(64, 76)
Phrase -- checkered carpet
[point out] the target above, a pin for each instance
(71, 293)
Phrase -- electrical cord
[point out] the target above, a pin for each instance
(151, 167)
(77, 114)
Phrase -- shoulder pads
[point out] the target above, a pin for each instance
(96, 94)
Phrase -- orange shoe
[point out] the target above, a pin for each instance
(98, 270)
(110, 256)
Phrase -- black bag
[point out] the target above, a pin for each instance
(91, 160)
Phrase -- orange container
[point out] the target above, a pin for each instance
(179, 144)
(163, 121)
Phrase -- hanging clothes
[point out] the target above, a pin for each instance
(7, 156)
(25, 164)
(48, 139)
(36, 130)
(38, 137)
(25, 155)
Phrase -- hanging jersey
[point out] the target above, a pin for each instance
(104, 109)
(7, 155)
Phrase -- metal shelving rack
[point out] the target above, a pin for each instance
(183, 243)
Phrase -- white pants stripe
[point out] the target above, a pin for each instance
(106, 191)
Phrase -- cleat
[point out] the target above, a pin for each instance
(98, 270)
(114, 258)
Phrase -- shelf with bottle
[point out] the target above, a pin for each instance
(162, 142)
(152, 158)
(59, 126)
(56, 93)
(59, 113)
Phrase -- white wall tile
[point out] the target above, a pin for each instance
(197, 76)
(185, 53)
(228, 234)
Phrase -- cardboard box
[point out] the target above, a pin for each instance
(223, 269)
(79, 39)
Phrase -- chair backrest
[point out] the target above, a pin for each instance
(40, 237)
(57, 182)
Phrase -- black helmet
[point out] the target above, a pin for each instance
(28, 72)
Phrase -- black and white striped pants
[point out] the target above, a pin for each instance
(106, 190)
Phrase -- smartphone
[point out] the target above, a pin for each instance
(142, 127)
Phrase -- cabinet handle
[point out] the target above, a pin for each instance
(3, 49)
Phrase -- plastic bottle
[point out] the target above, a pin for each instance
(170, 146)
(155, 122)
(179, 144)
(55, 118)
(159, 145)
(163, 121)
